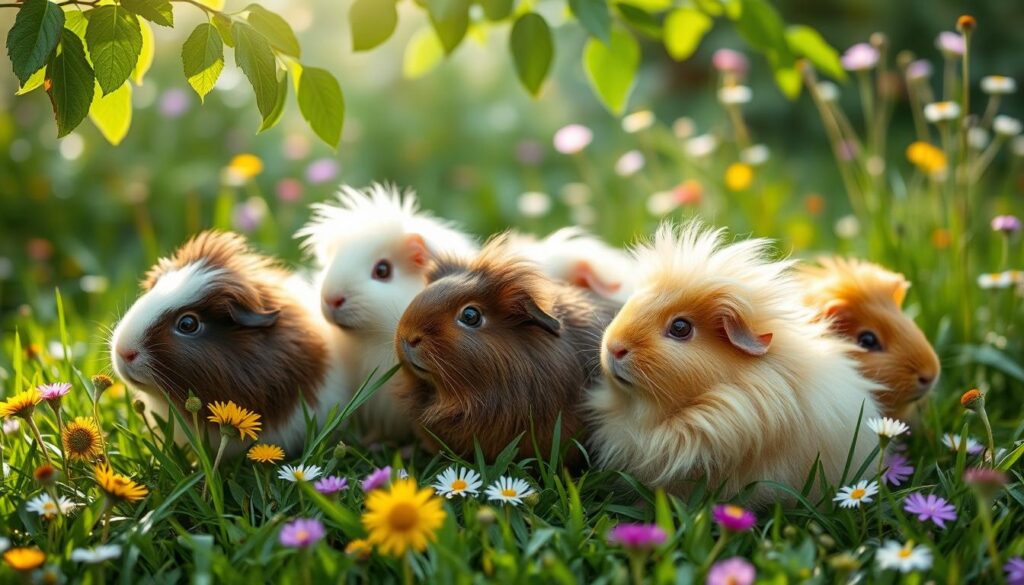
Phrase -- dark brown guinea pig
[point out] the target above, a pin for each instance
(492, 349)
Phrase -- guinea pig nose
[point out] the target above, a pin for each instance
(414, 340)
(618, 350)
(924, 383)
(128, 355)
(335, 302)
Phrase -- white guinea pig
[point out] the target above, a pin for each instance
(716, 369)
(372, 248)
(222, 321)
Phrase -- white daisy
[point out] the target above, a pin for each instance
(1006, 126)
(99, 554)
(299, 472)
(887, 427)
(942, 111)
(756, 155)
(904, 558)
(509, 491)
(456, 481)
(534, 204)
(701, 146)
(952, 441)
(977, 138)
(735, 94)
(45, 506)
(998, 85)
(852, 496)
(828, 91)
(638, 121)
(629, 163)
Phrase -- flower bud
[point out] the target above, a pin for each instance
(844, 562)
(486, 516)
(340, 450)
(973, 399)
(532, 499)
(966, 23)
(45, 474)
(101, 383)
(193, 404)
(139, 406)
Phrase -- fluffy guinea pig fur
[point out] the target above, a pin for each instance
(862, 301)
(493, 349)
(220, 320)
(715, 369)
(372, 248)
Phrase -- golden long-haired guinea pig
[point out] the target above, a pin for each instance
(493, 349)
(716, 369)
(862, 301)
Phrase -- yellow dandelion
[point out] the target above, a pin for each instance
(82, 439)
(118, 486)
(265, 453)
(927, 157)
(359, 549)
(246, 165)
(21, 404)
(402, 517)
(739, 176)
(229, 414)
(24, 559)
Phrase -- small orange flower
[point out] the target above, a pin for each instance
(971, 399)
(815, 204)
(966, 23)
(117, 486)
(45, 473)
(24, 559)
(264, 453)
(941, 238)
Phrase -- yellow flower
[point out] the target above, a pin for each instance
(118, 486)
(402, 517)
(265, 453)
(246, 166)
(359, 549)
(82, 439)
(739, 176)
(246, 422)
(21, 404)
(927, 157)
(24, 559)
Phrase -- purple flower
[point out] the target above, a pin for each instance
(331, 485)
(301, 532)
(54, 391)
(637, 536)
(249, 214)
(950, 43)
(379, 478)
(322, 170)
(1006, 224)
(174, 102)
(732, 571)
(930, 507)
(288, 190)
(733, 518)
(897, 469)
(920, 69)
(730, 61)
(1014, 571)
(860, 57)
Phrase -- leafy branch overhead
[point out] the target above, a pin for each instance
(87, 54)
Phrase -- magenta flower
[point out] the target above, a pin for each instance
(860, 57)
(1007, 224)
(1014, 571)
(572, 138)
(985, 477)
(378, 478)
(322, 170)
(730, 61)
(920, 69)
(54, 391)
(174, 102)
(733, 518)
(331, 485)
(636, 536)
(897, 469)
(950, 43)
(930, 507)
(301, 533)
(732, 571)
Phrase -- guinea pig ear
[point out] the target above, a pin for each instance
(540, 317)
(582, 274)
(834, 308)
(416, 250)
(899, 293)
(247, 317)
(743, 339)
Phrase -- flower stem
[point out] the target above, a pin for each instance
(988, 435)
(38, 437)
(216, 462)
(990, 536)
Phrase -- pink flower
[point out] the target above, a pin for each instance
(732, 571)
(637, 536)
(730, 61)
(919, 69)
(932, 507)
(985, 477)
(54, 391)
(322, 170)
(288, 190)
(897, 469)
(301, 533)
(572, 138)
(950, 43)
(331, 485)
(733, 518)
(379, 478)
(860, 57)
(174, 102)
(1006, 224)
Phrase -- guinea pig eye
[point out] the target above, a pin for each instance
(869, 341)
(188, 324)
(680, 329)
(382, 270)
(471, 317)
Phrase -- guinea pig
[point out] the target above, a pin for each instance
(862, 301)
(716, 369)
(492, 349)
(372, 248)
(227, 323)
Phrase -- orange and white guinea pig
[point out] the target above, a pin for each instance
(717, 370)
(862, 301)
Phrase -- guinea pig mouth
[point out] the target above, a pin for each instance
(410, 359)
(620, 373)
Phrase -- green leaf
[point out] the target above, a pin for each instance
(532, 50)
(69, 83)
(788, 79)
(203, 58)
(156, 11)
(612, 68)
(806, 42)
(496, 9)
(254, 55)
(594, 16)
(322, 104)
(643, 21)
(372, 22)
(761, 26)
(274, 116)
(223, 25)
(76, 21)
(278, 32)
(33, 82)
(423, 53)
(114, 38)
(112, 113)
(684, 29)
(34, 36)
(450, 19)
(146, 55)
(215, 4)
(711, 7)
(650, 5)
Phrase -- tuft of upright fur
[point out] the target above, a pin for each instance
(758, 391)
(526, 364)
(856, 297)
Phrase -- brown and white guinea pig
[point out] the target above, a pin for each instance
(220, 320)
(372, 249)
(862, 301)
(493, 349)
(715, 369)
